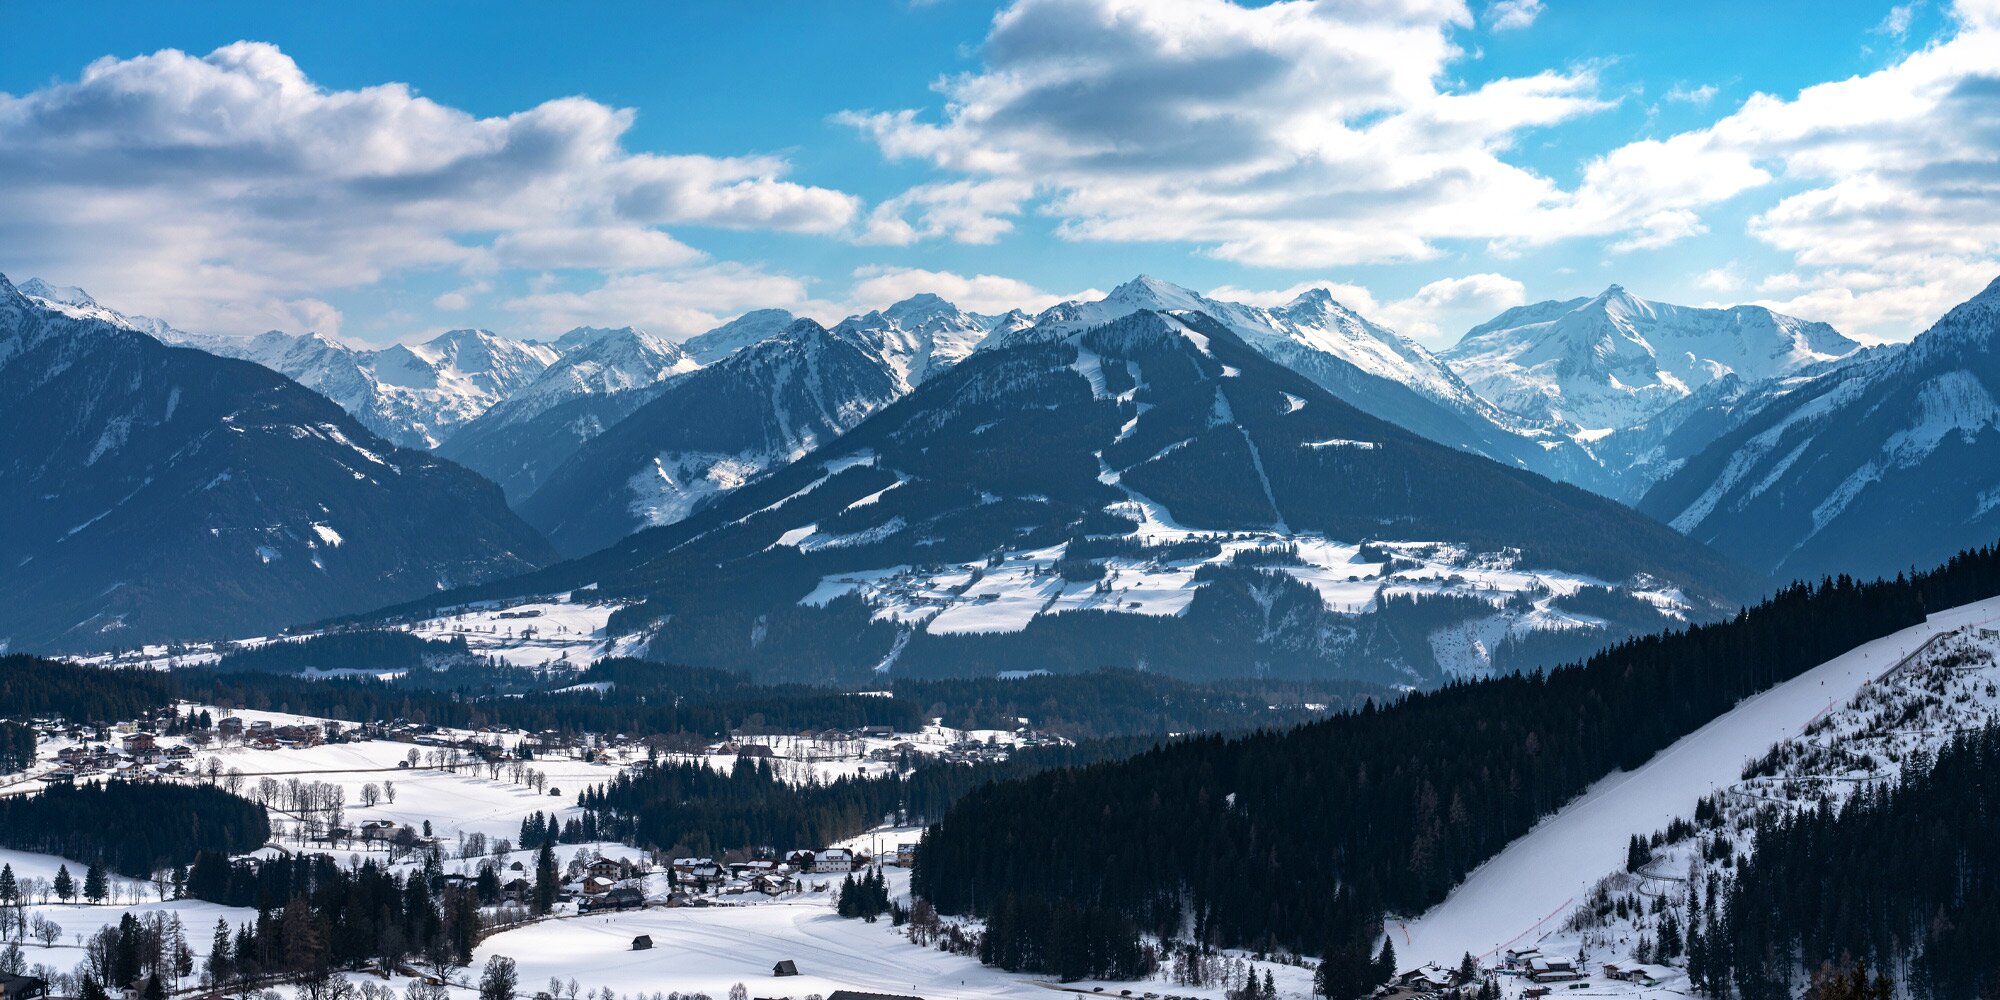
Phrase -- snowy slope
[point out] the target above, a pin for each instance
(1365, 364)
(1603, 363)
(1156, 458)
(738, 333)
(918, 337)
(1869, 466)
(150, 492)
(1523, 892)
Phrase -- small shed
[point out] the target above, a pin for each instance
(785, 967)
(643, 942)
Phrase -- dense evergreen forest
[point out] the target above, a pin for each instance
(368, 649)
(690, 808)
(1303, 839)
(1906, 878)
(1109, 703)
(118, 824)
(17, 747)
(643, 698)
(33, 687)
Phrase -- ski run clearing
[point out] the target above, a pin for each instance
(1522, 897)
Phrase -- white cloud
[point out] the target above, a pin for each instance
(876, 287)
(1724, 279)
(676, 304)
(1290, 134)
(1509, 15)
(208, 188)
(1896, 24)
(966, 211)
(1692, 95)
(1890, 181)
(1429, 315)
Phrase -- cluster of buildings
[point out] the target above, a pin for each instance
(605, 884)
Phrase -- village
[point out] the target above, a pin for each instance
(404, 792)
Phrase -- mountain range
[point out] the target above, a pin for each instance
(151, 492)
(1868, 468)
(1147, 492)
(1777, 441)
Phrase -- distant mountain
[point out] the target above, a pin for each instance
(150, 492)
(1609, 362)
(1869, 467)
(416, 395)
(1367, 365)
(1151, 493)
(599, 377)
(709, 432)
(767, 403)
(741, 332)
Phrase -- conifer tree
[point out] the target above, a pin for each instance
(95, 888)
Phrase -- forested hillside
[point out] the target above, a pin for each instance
(1304, 839)
(1906, 877)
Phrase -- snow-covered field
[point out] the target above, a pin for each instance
(708, 950)
(1523, 895)
(1004, 595)
(567, 629)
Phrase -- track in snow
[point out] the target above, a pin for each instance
(1526, 890)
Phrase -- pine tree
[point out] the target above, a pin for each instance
(219, 966)
(10, 891)
(1385, 961)
(65, 884)
(546, 878)
(94, 887)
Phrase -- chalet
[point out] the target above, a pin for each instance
(1552, 969)
(140, 743)
(14, 987)
(1426, 978)
(701, 877)
(1534, 993)
(1637, 972)
(597, 886)
(833, 859)
(603, 868)
(517, 890)
(643, 942)
(755, 750)
(181, 753)
(906, 855)
(230, 726)
(380, 829)
(774, 884)
(785, 967)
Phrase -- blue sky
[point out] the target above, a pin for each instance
(1431, 160)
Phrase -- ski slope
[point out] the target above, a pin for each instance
(1523, 893)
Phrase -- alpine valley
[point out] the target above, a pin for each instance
(1156, 479)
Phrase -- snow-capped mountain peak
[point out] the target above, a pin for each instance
(69, 295)
(918, 336)
(738, 333)
(1615, 360)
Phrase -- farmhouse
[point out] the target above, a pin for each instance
(22, 987)
(835, 859)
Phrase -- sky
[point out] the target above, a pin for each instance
(383, 172)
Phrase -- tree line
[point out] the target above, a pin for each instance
(1302, 840)
(1905, 877)
(134, 828)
